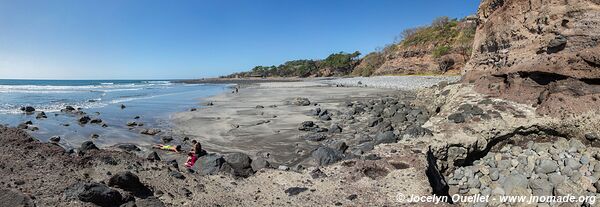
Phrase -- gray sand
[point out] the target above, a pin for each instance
(216, 127)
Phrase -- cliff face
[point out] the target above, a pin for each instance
(419, 60)
(540, 52)
(440, 48)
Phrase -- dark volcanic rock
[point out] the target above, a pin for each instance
(177, 175)
(340, 146)
(592, 136)
(374, 121)
(153, 156)
(96, 121)
(22, 126)
(87, 145)
(260, 163)
(325, 155)
(301, 101)
(386, 137)
(240, 164)
(84, 119)
(315, 112)
(166, 139)
(126, 181)
(54, 139)
(457, 118)
(210, 164)
(325, 117)
(318, 129)
(417, 131)
(151, 131)
(307, 126)
(68, 109)
(95, 193)
(335, 128)
(128, 147)
(315, 137)
(317, 173)
(295, 191)
(41, 115)
(557, 44)
(27, 109)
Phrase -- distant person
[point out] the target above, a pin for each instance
(237, 90)
(191, 160)
(194, 154)
(168, 147)
(197, 148)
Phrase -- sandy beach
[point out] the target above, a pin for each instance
(261, 119)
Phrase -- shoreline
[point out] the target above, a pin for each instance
(364, 147)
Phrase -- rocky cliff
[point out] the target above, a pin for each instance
(440, 48)
(539, 52)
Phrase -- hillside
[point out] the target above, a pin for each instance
(442, 47)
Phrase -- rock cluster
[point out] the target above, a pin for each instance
(563, 167)
(361, 125)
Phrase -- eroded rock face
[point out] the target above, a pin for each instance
(542, 53)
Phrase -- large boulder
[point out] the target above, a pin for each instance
(326, 155)
(259, 163)
(95, 193)
(238, 164)
(27, 109)
(126, 181)
(209, 164)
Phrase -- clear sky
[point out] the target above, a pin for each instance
(147, 39)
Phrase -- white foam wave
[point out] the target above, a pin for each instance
(72, 89)
(11, 109)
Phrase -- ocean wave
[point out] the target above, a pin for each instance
(157, 82)
(49, 108)
(73, 89)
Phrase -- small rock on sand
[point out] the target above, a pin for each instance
(295, 190)
(151, 131)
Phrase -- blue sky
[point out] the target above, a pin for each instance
(147, 39)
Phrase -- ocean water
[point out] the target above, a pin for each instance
(152, 100)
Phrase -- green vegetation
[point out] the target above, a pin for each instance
(440, 51)
(339, 63)
(443, 36)
(369, 64)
